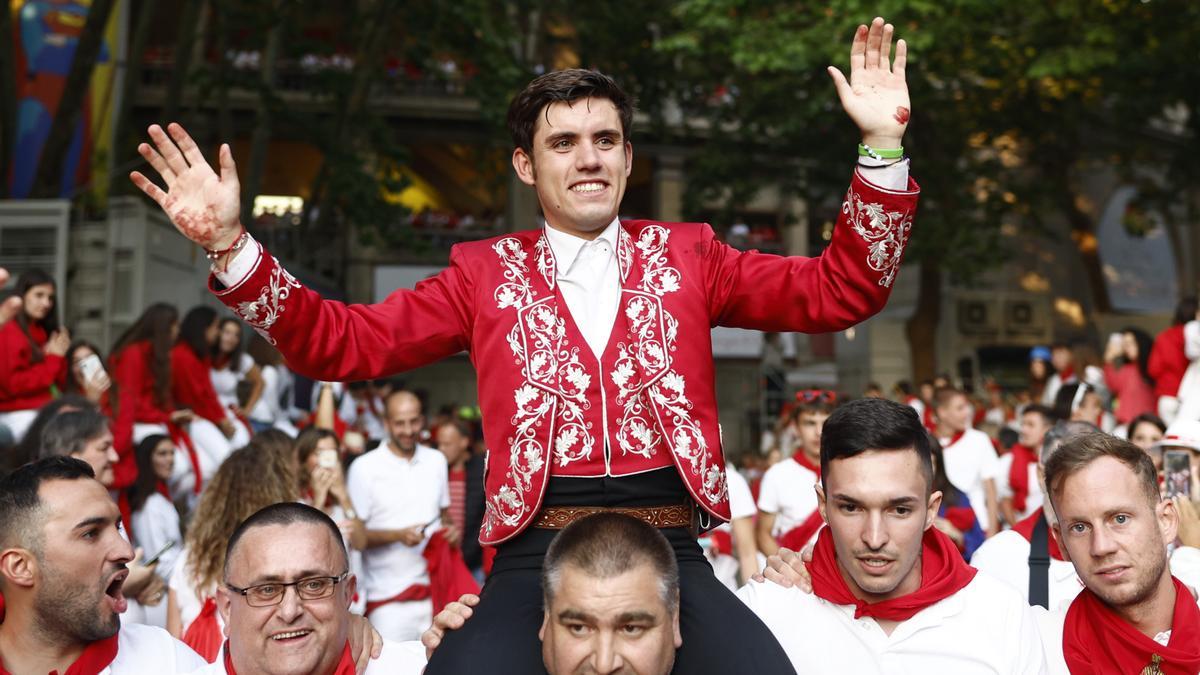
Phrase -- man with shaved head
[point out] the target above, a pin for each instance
(401, 492)
(285, 601)
(62, 572)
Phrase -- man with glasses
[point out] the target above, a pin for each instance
(286, 600)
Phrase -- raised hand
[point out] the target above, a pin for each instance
(876, 97)
(203, 206)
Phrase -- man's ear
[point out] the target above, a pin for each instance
(819, 487)
(18, 567)
(932, 508)
(1168, 520)
(628, 158)
(351, 588)
(224, 602)
(545, 625)
(675, 626)
(523, 165)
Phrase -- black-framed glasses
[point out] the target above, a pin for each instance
(271, 593)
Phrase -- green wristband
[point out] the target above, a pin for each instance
(876, 153)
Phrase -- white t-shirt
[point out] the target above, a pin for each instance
(1005, 557)
(391, 493)
(985, 628)
(787, 491)
(1033, 501)
(396, 658)
(969, 462)
(146, 649)
(190, 602)
(359, 412)
(225, 380)
(155, 524)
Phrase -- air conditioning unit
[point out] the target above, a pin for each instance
(978, 317)
(1027, 318)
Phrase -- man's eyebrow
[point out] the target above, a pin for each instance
(636, 616)
(94, 521)
(561, 136)
(902, 501)
(575, 615)
(278, 578)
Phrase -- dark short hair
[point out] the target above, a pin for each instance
(69, 432)
(943, 395)
(564, 86)
(1186, 309)
(606, 545)
(462, 426)
(1146, 418)
(1046, 412)
(1078, 452)
(284, 513)
(875, 424)
(19, 501)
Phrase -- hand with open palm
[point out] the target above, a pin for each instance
(876, 96)
(203, 206)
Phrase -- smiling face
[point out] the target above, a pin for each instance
(294, 637)
(579, 165)
(614, 626)
(1114, 532)
(82, 561)
(163, 459)
(878, 506)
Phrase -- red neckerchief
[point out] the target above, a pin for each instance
(1098, 642)
(953, 439)
(1018, 474)
(803, 461)
(943, 573)
(1066, 375)
(96, 657)
(1025, 529)
(345, 665)
(161, 488)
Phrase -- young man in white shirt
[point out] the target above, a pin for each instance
(1115, 527)
(286, 601)
(787, 505)
(62, 570)
(1017, 484)
(401, 492)
(971, 461)
(891, 594)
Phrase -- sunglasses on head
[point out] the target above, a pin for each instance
(816, 395)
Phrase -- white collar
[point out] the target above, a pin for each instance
(566, 247)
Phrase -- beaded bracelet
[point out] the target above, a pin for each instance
(876, 153)
(238, 244)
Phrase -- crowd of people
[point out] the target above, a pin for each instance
(169, 509)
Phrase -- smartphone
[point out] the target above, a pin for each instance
(1177, 473)
(327, 459)
(93, 370)
(169, 545)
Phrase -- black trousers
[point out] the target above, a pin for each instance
(721, 636)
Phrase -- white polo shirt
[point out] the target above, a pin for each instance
(969, 462)
(396, 658)
(145, 649)
(1033, 501)
(1005, 557)
(985, 628)
(787, 491)
(392, 493)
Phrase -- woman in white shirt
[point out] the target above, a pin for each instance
(155, 520)
(269, 412)
(231, 365)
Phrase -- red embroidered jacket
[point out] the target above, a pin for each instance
(549, 405)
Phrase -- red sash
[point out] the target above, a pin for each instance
(1098, 642)
(96, 657)
(203, 635)
(182, 438)
(798, 537)
(345, 665)
(1025, 529)
(449, 577)
(1018, 474)
(943, 573)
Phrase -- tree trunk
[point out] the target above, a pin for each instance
(123, 135)
(48, 181)
(922, 327)
(8, 95)
(262, 127)
(181, 63)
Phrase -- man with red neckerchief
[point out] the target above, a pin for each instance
(62, 570)
(286, 601)
(891, 593)
(787, 506)
(1114, 526)
(1017, 485)
(971, 461)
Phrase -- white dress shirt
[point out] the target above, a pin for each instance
(983, 629)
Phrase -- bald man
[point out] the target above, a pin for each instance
(400, 491)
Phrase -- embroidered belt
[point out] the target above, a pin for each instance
(558, 517)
